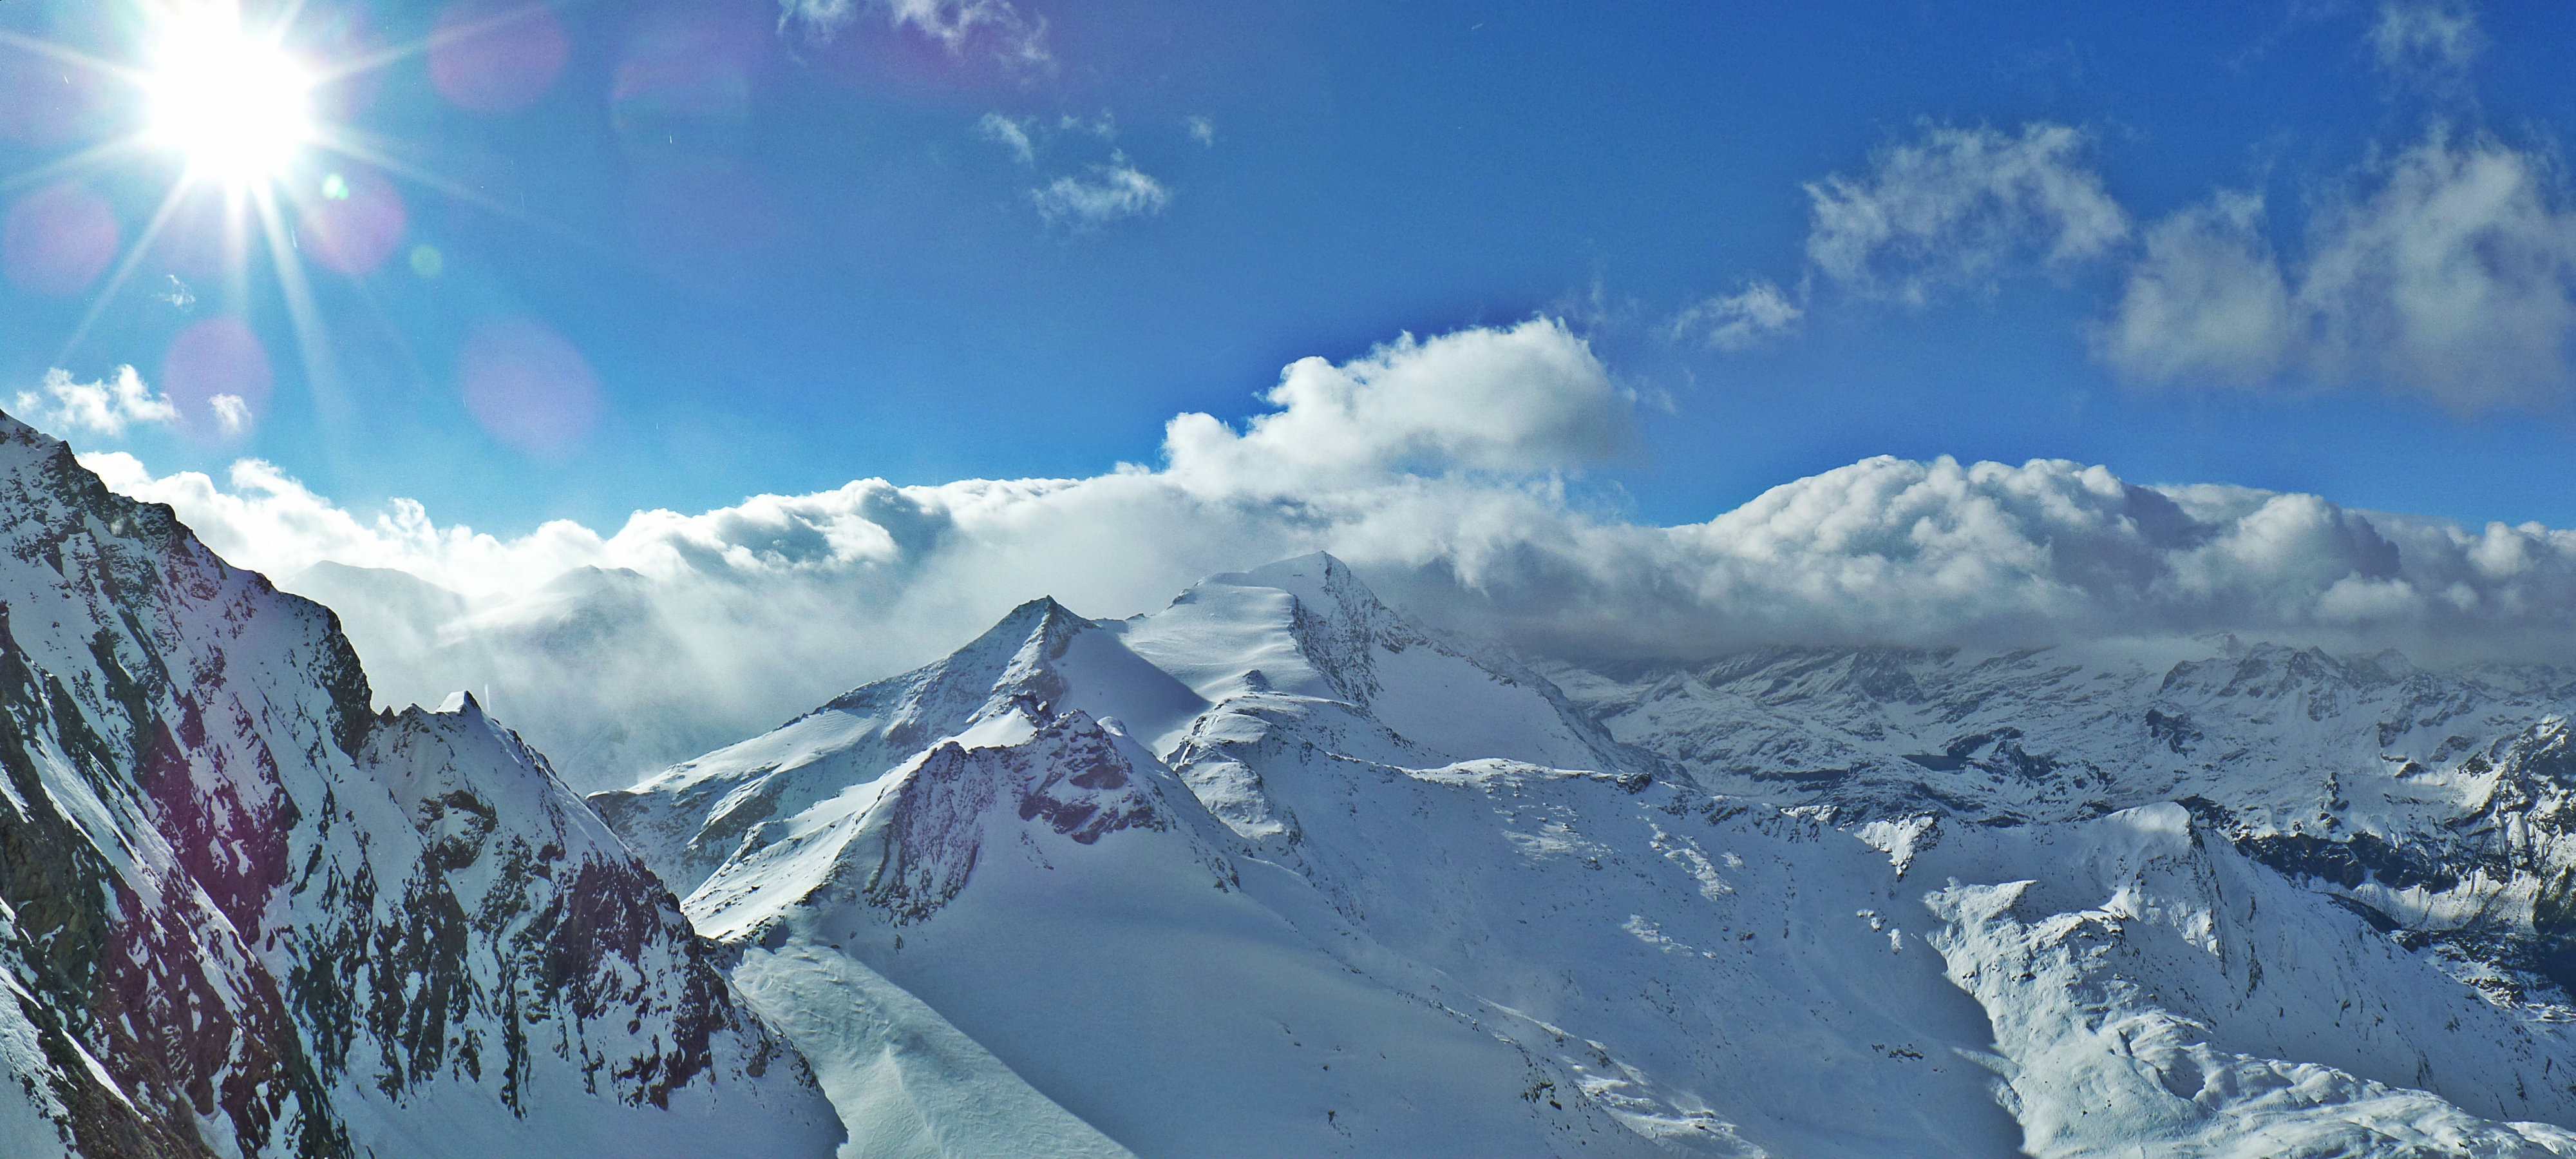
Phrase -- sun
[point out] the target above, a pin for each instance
(236, 105)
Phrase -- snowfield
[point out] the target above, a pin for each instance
(1275, 871)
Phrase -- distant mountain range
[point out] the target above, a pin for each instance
(1274, 870)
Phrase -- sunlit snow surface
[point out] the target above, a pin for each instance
(1274, 871)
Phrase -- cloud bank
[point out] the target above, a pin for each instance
(2447, 271)
(1437, 468)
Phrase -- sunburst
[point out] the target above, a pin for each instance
(237, 103)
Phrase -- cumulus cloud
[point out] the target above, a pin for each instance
(1014, 36)
(1528, 399)
(1201, 129)
(106, 407)
(1740, 320)
(1957, 206)
(1111, 191)
(1426, 463)
(2432, 41)
(678, 632)
(2450, 273)
(2208, 301)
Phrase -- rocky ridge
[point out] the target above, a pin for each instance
(247, 916)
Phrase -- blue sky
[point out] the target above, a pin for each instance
(934, 240)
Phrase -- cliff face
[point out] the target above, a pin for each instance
(246, 916)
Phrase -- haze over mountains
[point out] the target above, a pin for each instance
(1747, 642)
(1275, 869)
(1447, 469)
(1913, 807)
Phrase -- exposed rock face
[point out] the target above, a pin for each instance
(247, 917)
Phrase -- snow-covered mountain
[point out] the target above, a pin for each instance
(245, 915)
(2432, 804)
(1274, 871)
(1270, 871)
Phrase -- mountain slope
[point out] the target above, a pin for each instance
(1275, 871)
(2435, 803)
(245, 916)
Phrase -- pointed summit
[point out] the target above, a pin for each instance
(1015, 649)
(1039, 661)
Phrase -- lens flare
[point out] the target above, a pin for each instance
(237, 106)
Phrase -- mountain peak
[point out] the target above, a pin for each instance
(1034, 635)
(1317, 578)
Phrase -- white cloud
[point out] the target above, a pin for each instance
(1519, 401)
(1425, 464)
(1201, 129)
(106, 407)
(1740, 320)
(2433, 41)
(2207, 302)
(714, 634)
(2450, 273)
(1014, 36)
(1027, 135)
(1010, 134)
(232, 413)
(269, 521)
(1112, 191)
(1956, 207)
(1104, 126)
